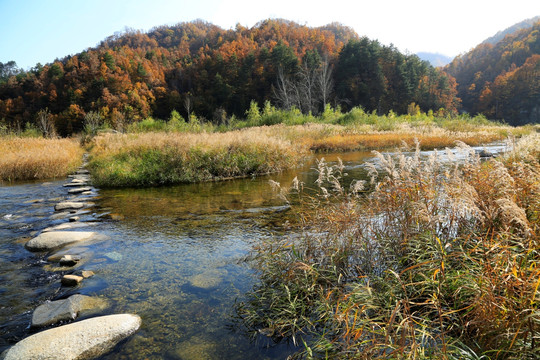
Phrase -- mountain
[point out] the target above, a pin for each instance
(511, 30)
(435, 59)
(502, 80)
(197, 67)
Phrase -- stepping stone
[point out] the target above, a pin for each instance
(86, 193)
(69, 260)
(74, 218)
(53, 312)
(53, 239)
(68, 205)
(79, 190)
(87, 339)
(71, 280)
(71, 184)
(69, 225)
(82, 171)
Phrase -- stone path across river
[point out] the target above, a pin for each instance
(86, 339)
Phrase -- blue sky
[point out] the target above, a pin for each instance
(33, 31)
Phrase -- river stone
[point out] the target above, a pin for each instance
(67, 309)
(85, 339)
(69, 260)
(71, 280)
(68, 205)
(73, 184)
(79, 190)
(80, 251)
(207, 280)
(87, 274)
(53, 239)
(113, 255)
(69, 225)
(82, 171)
(197, 348)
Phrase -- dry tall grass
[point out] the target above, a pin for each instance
(38, 158)
(328, 138)
(437, 261)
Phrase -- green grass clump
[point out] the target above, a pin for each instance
(436, 260)
(170, 158)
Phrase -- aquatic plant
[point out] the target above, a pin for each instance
(437, 260)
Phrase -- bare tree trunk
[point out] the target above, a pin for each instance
(45, 123)
(325, 84)
(285, 90)
(188, 105)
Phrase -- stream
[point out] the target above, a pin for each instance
(173, 255)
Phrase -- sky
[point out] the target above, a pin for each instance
(33, 31)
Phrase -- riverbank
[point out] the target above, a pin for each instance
(156, 152)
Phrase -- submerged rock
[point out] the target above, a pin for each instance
(85, 339)
(54, 239)
(87, 274)
(67, 309)
(207, 280)
(113, 255)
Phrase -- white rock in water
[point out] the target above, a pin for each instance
(53, 239)
(79, 190)
(66, 205)
(85, 339)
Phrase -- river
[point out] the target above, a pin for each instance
(174, 255)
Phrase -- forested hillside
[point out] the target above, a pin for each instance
(502, 80)
(199, 68)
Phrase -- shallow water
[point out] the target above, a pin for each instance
(173, 256)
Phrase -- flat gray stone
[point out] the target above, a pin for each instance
(67, 309)
(70, 225)
(68, 205)
(79, 190)
(81, 340)
(53, 239)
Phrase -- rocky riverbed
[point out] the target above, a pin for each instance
(63, 337)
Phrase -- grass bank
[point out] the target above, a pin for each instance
(149, 159)
(436, 261)
(28, 158)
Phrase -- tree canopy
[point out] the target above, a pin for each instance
(199, 67)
